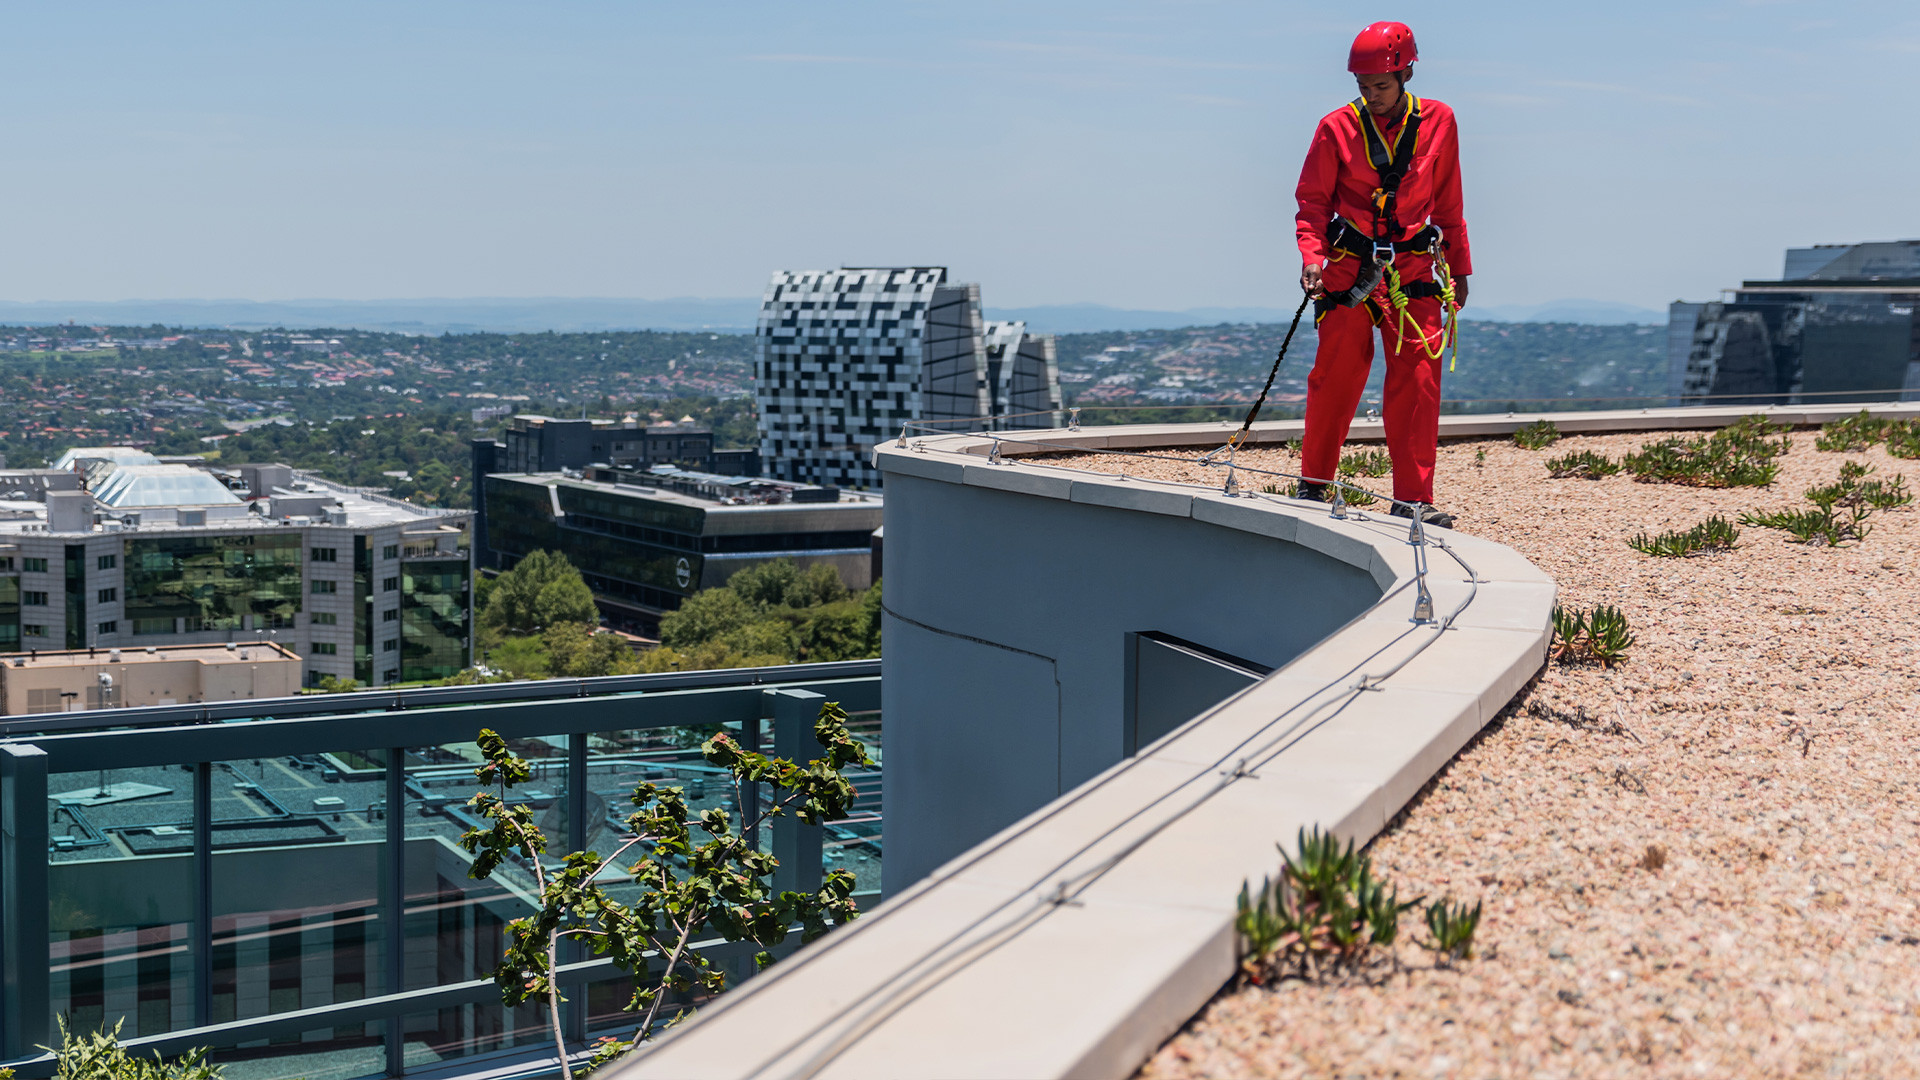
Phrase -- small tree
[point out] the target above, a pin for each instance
(541, 590)
(575, 651)
(691, 886)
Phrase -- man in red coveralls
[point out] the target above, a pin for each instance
(1379, 199)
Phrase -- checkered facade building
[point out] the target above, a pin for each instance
(844, 357)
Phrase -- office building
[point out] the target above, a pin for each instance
(1840, 324)
(79, 680)
(141, 552)
(548, 444)
(647, 539)
(844, 358)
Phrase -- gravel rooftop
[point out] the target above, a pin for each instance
(1762, 734)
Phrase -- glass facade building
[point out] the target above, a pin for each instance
(316, 567)
(643, 550)
(1840, 325)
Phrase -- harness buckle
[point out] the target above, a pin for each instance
(1383, 252)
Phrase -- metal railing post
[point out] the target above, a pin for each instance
(750, 793)
(393, 904)
(24, 1019)
(574, 1010)
(797, 846)
(202, 940)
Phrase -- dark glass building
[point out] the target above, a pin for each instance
(645, 540)
(1839, 325)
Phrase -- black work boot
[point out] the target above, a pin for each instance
(1310, 491)
(1431, 515)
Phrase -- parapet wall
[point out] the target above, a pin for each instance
(1073, 940)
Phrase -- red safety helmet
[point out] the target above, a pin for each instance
(1382, 48)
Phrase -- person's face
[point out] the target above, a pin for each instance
(1381, 92)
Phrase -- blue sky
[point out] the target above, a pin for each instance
(1128, 153)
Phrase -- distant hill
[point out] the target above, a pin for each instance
(728, 315)
(1588, 312)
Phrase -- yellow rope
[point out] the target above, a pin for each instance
(1449, 313)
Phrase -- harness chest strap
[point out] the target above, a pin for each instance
(1388, 162)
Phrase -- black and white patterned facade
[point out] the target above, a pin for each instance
(844, 357)
(1023, 377)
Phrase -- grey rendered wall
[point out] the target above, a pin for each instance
(1005, 660)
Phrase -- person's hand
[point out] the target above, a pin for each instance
(1460, 292)
(1310, 280)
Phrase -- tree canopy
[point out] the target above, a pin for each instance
(541, 591)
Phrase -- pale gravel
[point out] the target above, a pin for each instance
(1772, 693)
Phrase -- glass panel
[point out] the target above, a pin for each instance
(298, 849)
(120, 898)
(455, 925)
(463, 1030)
(336, 1053)
(853, 843)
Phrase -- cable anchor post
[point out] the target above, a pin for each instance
(1339, 508)
(1073, 419)
(902, 444)
(1423, 601)
(993, 458)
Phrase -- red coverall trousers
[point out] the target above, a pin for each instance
(1411, 407)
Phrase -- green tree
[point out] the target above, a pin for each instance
(765, 585)
(834, 632)
(769, 637)
(705, 616)
(698, 876)
(575, 651)
(541, 590)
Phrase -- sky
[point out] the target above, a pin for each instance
(1130, 153)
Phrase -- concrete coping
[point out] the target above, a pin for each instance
(1078, 939)
(1026, 442)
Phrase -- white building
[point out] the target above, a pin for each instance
(141, 552)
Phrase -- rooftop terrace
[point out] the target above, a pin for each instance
(1761, 733)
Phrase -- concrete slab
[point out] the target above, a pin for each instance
(929, 464)
(1024, 479)
(1257, 516)
(1133, 495)
(1339, 539)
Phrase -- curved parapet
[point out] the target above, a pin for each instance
(1065, 873)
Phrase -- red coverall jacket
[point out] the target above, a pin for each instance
(1339, 178)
